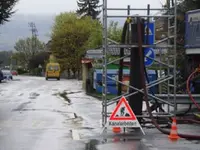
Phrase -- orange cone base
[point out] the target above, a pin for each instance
(173, 137)
(116, 129)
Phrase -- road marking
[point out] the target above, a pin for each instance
(75, 135)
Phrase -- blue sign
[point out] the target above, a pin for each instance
(149, 56)
(151, 37)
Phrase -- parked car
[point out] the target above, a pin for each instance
(14, 72)
(7, 74)
(1, 76)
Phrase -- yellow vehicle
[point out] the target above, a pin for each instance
(52, 71)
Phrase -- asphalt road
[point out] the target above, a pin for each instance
(33, 116)
(36, 114)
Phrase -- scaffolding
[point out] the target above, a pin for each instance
(169, 98)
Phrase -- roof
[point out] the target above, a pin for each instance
(98, 53)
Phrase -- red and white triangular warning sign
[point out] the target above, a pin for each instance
(123, 116)
(122, 111)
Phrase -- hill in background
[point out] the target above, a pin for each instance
(18, 28)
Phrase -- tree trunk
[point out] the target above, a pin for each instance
(78, 74)
(68, 73)
(74, 73)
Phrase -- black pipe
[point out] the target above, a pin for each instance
(135, 101)
(121, 62)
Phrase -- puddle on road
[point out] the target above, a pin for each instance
(21, 106)
(33, 95)
(71, 92)
(65, 93)
(64, 96)
(51, 110)
(92, 145)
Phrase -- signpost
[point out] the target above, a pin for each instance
(151, 28)
(149, 52)
(149, 56)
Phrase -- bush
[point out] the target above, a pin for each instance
(36, 72)
(21, 71)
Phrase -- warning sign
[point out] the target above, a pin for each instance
(123, 115)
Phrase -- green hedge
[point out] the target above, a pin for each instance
(21, 71)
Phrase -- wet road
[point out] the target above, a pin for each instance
(36, 114)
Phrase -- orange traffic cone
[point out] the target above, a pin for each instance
(116, 129)
(173, 133)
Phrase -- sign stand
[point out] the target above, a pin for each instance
(123, 117)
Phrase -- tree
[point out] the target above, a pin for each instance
(88, 8)
(52, 59)
(71, 37)
(5, 57)
(6, 9)
(186, 5)
(114, 31)
(27, 49)
(95, 38)
(39, 59)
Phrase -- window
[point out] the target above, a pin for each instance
(53, 68)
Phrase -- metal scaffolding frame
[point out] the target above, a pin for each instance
(170, 62)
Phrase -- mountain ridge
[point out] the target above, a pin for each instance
(18, 28)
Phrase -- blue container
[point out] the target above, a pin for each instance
(111, 84)
(152, 77)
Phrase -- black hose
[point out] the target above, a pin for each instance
(186, 112)
(186, 136)
(157, 104)
(123, 39)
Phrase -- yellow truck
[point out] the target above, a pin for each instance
(52, 71)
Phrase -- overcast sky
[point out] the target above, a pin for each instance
(57, 6)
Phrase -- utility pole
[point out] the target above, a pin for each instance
(34, 32)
